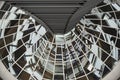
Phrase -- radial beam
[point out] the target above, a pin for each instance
(47, 5)
(41, 22)
(44, 0)
(80, 13)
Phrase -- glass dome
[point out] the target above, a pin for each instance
(90, 51)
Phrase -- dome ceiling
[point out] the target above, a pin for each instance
(90, 51)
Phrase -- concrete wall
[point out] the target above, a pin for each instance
(5, 74)
(114, 74)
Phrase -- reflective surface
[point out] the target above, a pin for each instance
(88, 52)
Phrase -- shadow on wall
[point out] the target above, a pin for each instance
(1, 78)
